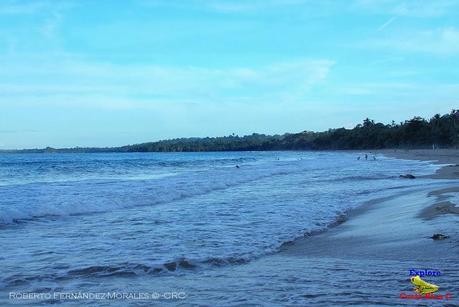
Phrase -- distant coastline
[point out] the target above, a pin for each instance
(440, 131)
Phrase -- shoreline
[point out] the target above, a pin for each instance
(447, 158)
(395, 227)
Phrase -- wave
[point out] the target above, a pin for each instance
(23, 202)
(358, 178)
(177, 266)
(121, 270)
(100, 163)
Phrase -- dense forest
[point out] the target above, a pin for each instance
(439, 131)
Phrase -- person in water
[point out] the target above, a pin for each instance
(366, 157)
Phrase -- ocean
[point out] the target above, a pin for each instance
(174, 223)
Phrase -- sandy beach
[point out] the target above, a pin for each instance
(400, 228)
(447, 157)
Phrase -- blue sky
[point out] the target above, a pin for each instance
(108, 73)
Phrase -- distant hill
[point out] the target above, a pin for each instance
(440, 131)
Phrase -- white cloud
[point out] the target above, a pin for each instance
(254, 6)
(70, 81)
(51, 24)
(443, 41)
(411, 8)
(22, 7)
(251, 6)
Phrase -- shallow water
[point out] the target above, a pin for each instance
(128, 222)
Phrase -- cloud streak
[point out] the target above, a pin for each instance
(442, 41)
(387, 23)
(412, 8)
(75, 81)
(22, 7)
(323, 7)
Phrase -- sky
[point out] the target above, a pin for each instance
(110, 73)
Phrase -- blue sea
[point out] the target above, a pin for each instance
(185, 226)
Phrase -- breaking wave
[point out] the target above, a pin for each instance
(23, 202)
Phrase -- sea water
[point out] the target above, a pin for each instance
(134, 221)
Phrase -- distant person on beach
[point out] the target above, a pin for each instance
(366, 157)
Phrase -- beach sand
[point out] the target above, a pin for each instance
(385, 227)
(399, 229)
(447, 157)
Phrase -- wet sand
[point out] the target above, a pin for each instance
(447, 157)
(392, 227)
(399, 228)
(395, 228)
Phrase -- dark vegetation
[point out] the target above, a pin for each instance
(440, 131)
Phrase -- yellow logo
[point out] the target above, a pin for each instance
(422, 287)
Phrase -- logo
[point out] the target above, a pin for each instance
(422, 287)
(422, 273)
(424, 290)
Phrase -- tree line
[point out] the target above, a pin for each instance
(440, 131)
